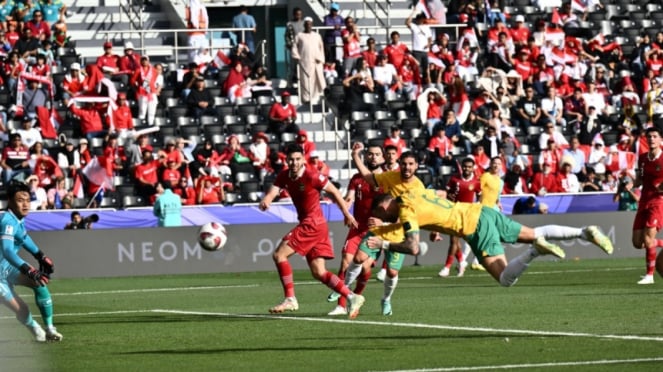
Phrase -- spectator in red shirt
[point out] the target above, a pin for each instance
(114, 154)
(146, 176)
(351, 45)
(40, 28)
(90, 120)
(395, 140)
(544, 182)
(108, 61)
(130, 61)
(282, 116)
(186, 192)
(171, 174)
(122, 118)
(440, 147)
(396, 50)
(520, 33)
(74, 82)
(307, 145)
(370, 55)
(314, 162)
(209, 191)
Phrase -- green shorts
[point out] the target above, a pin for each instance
(394, 259)
(493, 229)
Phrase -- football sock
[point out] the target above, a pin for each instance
(362, 282)
(384, 264)
(351, 274)
(449, 261)
(466, 250)
(334, 282)
(28, 321)
(45, 304)
(389, 287)
(459, 256)
(517, 267)
(650, 257)
(558, 232)
(285, 273)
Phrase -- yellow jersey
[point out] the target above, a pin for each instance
(391, 183)
(424, 209)
(491, 188)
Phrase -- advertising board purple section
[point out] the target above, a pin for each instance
(279, 213)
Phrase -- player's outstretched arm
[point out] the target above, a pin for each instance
(357, 148)
(269, 197)
(409, 246)
(342, 205)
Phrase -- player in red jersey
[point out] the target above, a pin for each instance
(361, 194)
(310, 238)
(649, 217)
(460, 188)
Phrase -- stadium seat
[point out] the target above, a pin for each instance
(247, 109)
(189, 130)
(209, 120)
(129, 201)
(236, 129)
(231, 198)
(231, 119)
(256, 128)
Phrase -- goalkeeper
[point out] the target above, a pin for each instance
(14, 270)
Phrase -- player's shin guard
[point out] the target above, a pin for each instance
(351, 274)
(45, 304)
(650, 257)
(517, 267)
(285, 273)
(335, 283)
(558, 232)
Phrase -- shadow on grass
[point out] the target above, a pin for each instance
(235, 350)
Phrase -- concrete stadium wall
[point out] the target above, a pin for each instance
(155, 251)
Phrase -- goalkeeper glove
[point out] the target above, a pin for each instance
(34, 274)
(45, 263)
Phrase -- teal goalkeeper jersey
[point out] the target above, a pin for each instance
(168, 209)
(14, 236)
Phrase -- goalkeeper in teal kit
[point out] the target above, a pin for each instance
(15, 271)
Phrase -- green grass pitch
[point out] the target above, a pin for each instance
(586, 315)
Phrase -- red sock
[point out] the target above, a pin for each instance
(285, 272)
(332, 281)
(659, 243)
(459, 256)
(341, 275)
(651, 260)
(362, 281)
(449, 261)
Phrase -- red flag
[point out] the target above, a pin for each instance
(556, 18)
(77, 190)
(44, 120)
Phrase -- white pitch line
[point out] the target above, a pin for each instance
(147, 290)
(534, 365)
(421, 325)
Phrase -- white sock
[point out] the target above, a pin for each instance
(466, 250)
(389, 287)
(517, 267)
(352, 273)
(475, 261)
(558, 232)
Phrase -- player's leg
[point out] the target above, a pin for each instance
(280, 257)
(394, 265)
(589, 233)
(659, 264)
(21, 310)
(451, 253)
(44, 303)
(349, 250)
(645, 227)
(360, 263)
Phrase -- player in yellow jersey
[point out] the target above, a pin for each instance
(491, 189)
(484, 228)
(394, 183)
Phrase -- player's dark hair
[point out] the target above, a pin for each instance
(468, 160)
(293, 147)
(653, 129)
(377, 147)
(379, 199)
(16, 187)
(390, 147)
(407, 154)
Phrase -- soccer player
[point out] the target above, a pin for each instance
(361, 194)
(394, 183)
(484, 228)
(491, 189)
(311, 237)
(464, 188)
(649, 216)
(14, 270)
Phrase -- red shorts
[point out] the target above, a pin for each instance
(352, 241)
(311, 239)
(649, 217)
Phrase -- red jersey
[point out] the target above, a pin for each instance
(122, 118)
(651, 175)
(171, 175)
(304, 191)
(398, 142)
(364, 195)
(463, 190)
(278, 112)
(395, 54)
(147, 172)
(107, 60)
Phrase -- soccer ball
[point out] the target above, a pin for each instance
(212, 236)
